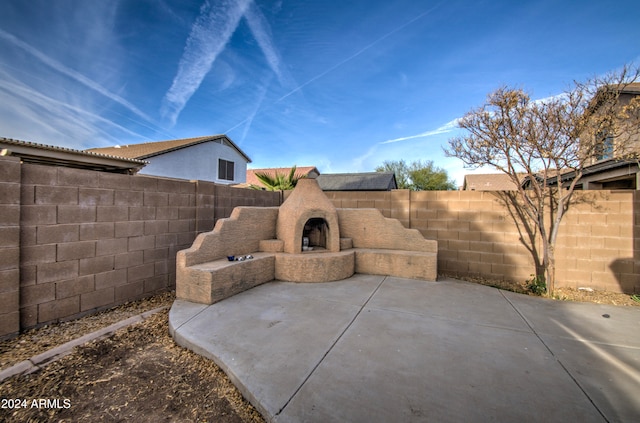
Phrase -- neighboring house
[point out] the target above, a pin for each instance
(488, 182)
(620, 136)
(212, 158)
(368, 181)
(613, 166)
(606, 174)
(30, 152)
(301, 172)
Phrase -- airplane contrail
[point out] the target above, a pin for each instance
(71, 73)
(359, 52)
(210, 34)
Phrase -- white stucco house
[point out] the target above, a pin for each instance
(212, 158)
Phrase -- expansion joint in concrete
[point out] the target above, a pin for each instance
(332, 346)
(554, 356)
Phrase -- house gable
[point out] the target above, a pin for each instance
(366, 181)
(150, 149)
(199, 158)
(488, 182)
(198, 162)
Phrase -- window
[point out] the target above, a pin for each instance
(225, 170)
(605, 146)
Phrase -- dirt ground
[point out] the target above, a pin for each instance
(563, 294)
(139, 373)
(598, 297)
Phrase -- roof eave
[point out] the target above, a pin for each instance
(196, 142)
(42, 154)
(593, 169)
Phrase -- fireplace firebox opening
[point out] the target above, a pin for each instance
(314, 234)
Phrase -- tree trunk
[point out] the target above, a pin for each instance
(550, 264)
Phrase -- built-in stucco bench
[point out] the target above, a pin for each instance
(400, 263)
(216, 280)
(220, 279)
(203, 272)
(384, 247)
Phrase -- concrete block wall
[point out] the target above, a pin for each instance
(75, 241)
(227, 198)
(92, 240)
(476, 236)
(380, 200)
(393, 204)
(205, 206)
(598, 244)
(222, 199)
(9, 245)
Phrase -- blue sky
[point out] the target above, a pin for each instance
(342, 85)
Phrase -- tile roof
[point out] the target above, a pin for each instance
(488, 182)
(31, 152)
(150, 149)
(366, 181)
(307, 171)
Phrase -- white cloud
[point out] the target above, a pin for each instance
(77, 76)
(453, 125)
(447, 127)
(357, 164)
(394, 149)
(249, 120)
(359, 52)
(209, 36)
(49, 120)
(262, 33)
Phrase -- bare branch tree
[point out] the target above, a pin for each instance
(546, 140)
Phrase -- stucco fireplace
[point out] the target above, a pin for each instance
(308, 213)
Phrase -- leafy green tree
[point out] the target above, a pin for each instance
(428, 177)
(401, 170)
(278, 181)
(418, 176)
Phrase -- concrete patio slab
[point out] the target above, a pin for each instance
(183, 311)
(575, 320)
(598, 345)
(451, 300)
(270, 339)
(378, 349)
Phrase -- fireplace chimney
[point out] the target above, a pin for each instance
(308, 213)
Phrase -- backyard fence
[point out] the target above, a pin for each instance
(74, 241)
(598, 243)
